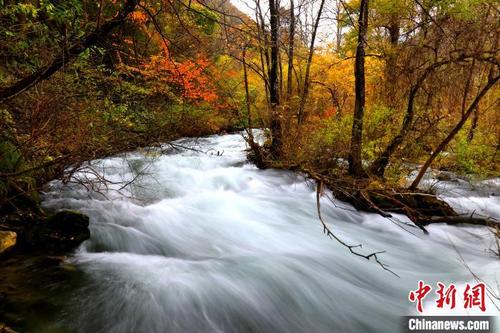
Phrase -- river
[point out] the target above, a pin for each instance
(203, 241)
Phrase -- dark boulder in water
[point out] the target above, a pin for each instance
(62, 231)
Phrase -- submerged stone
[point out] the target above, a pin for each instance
(62, 231)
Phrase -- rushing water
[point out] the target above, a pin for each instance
(203, 241)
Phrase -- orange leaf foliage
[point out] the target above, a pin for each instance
(189, 75)
(138, 17)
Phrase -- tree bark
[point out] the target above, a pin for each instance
(355, 163)
(262, 40)
(257, 158)
(68, 54)
(276, 143)
(305, 91)
(391, 73)
(338, 38)
(247, 94)
(475, 121)
(291, 41)
(377, 168)
(454, 131)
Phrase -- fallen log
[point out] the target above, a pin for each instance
(454, 220)
(422, 208)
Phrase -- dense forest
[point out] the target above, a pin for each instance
(394, 85)
(366, 98)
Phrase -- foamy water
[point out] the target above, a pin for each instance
(205, 242)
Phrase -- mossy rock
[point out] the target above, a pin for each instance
(68, 220)
(62, 231)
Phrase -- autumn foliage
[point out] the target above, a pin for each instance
(175, 68)
(190, 77)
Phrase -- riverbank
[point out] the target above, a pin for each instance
(32, 257)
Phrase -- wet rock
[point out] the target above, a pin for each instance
(61, 232)
(7, 241)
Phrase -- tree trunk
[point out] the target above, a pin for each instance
(263, 35)
(454, 131)
(377, 168)
(305, 91)
(257, 157)
(291, 41)
(339, 27)
(475, 121)
(276, 143)
(390, 69)
(470, 135)
(68, 54)
(262, 49)
(355, 164)
(247, 95)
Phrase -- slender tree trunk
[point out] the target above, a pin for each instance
(391, 73)
(475, 121)
(276, 143)
(377, 168)
(339, 26)
(291, 40)
(355, 163)
(280, 72)
(68, 54)
(264, 34)
(468, 83)
(394, 30)
(454, 131)
(247, 96)
(251, 141)
(305, 91)
(262, 47)
(280, 64)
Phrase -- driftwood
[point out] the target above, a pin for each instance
(422, 208)
(453, 220)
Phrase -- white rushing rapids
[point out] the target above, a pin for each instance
(203, 241)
